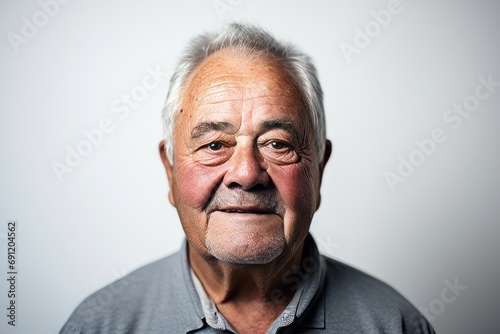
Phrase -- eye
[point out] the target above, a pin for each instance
(279, 152)
(213, 153)
(215, 146)
(277, 145)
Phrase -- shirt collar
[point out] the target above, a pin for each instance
(315, 265)
(212, 315)
(194, 318)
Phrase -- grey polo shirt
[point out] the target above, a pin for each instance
(330, 297)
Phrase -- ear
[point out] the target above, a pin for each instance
(168, 169)
(326, 157)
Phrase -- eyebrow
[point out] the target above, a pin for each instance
(280, 124)
(204, 127)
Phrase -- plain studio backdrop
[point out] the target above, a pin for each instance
(411, 193)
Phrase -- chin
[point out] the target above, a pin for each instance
(241, 250)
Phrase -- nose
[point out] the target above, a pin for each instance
(246, 168)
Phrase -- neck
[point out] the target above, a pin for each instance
(225, 282)
(259, 292)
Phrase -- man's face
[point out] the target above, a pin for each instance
(246, 175)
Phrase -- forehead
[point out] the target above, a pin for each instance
(227, 79)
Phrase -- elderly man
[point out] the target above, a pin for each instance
(244, 154)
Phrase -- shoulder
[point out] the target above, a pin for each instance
(358, 298)
(344, 280)
(144, 292)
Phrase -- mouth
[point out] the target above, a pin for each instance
(244, 211)
(249, 210)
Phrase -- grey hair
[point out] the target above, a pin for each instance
(252, 41)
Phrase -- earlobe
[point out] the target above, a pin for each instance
(168, 169)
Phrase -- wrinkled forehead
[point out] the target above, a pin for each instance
(225, 74)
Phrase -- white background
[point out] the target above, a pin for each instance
(110, 215)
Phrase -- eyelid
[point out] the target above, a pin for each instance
(205, 128)
(283, 134)
(213, 137)
(267, 142)
(207, 145)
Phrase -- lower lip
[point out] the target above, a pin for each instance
(242, 221)
(244, 215)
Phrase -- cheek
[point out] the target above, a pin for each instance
(195, 184)
(298, 186)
